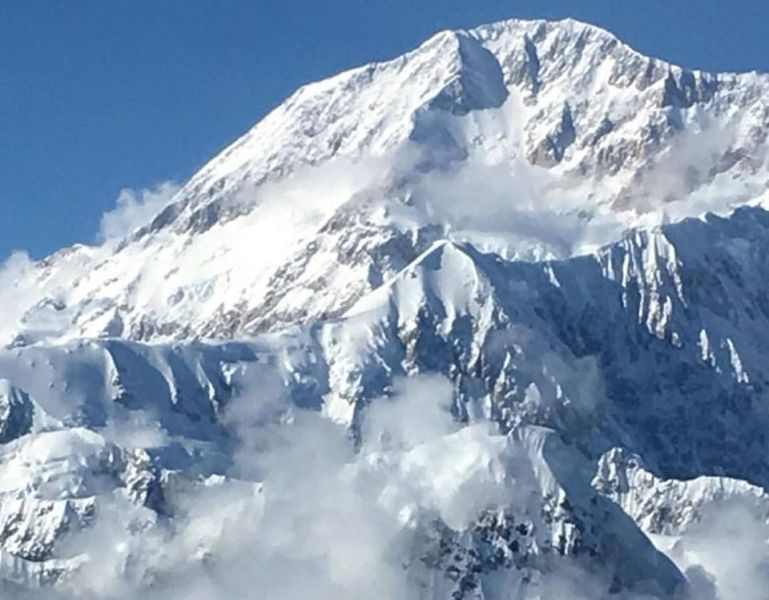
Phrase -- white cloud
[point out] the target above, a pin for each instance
(315, 515)
(35, 295)
(726, 554)
(134, 208)
(17, 292)
(325, 520)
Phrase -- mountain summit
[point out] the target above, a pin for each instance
(529, 139)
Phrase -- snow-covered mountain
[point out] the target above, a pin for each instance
(530, 139)
(488, 321)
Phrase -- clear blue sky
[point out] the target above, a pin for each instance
(99, 95)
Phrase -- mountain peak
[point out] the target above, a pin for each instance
(525, 138)
(474, 76)
(553, 68)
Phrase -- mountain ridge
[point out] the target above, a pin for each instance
(553, 153)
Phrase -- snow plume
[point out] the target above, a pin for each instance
(520, 210)
(134, 208)
(515, 209)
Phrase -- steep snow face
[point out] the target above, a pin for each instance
(528, 139)
(564, 94)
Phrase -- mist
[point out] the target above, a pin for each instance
(309, 511)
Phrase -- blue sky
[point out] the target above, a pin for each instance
(98, 96)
